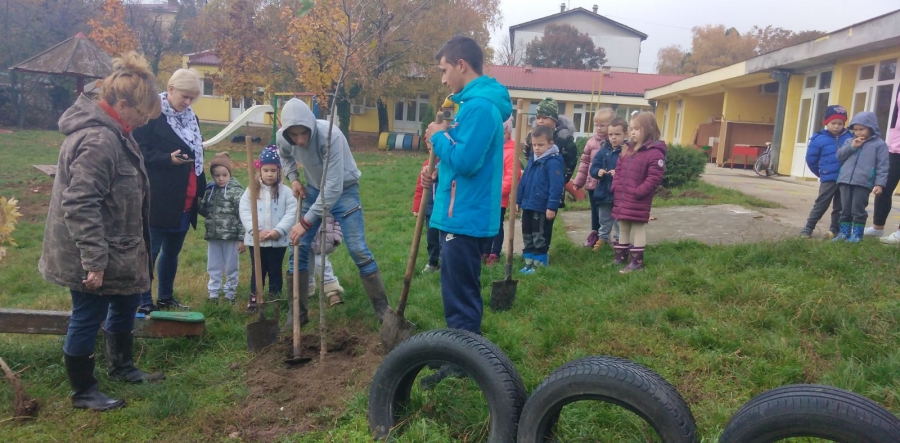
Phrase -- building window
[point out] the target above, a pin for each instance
(665, 120)
(411, 109)
(678, 108)
(876, 91)
(207, 87)
(813, 101)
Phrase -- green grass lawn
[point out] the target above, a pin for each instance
(721, 323)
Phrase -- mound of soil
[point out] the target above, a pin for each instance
(283, 400)
(662, 193)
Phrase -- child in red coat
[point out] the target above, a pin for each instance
(432, 235)
(491, 253)
(639, 172)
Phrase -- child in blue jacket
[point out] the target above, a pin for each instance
(603, 167)
(821, 157)
(538, 197)
(864, 169)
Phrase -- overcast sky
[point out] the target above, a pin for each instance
(669, 22)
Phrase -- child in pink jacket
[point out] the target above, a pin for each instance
(583, 178)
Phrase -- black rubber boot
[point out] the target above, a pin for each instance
(85, 388)
(304, 300)
(374, 287)
(119, 360)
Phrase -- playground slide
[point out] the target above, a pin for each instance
(237, 123)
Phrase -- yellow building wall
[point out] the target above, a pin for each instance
(217, 109)
(697, 111)
(791, 117)
(365, 122)
(748, 105)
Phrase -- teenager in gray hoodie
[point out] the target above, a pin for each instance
(303, 139)
(864, 169)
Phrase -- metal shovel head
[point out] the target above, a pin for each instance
(503, 294)
(395, 330)
(261, 334)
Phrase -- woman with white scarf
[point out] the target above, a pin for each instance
(173, 154)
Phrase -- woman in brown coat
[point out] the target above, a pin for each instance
(96, 234)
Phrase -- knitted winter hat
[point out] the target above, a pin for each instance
(548, 107)
(835, 112)
(508, 125)
(269, 156)
(220, 159)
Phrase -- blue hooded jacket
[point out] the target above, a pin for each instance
(867, 165)
(821, 156)
(606, 159)
(470, 172)
(542, 184)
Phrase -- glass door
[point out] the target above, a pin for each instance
(813, 101)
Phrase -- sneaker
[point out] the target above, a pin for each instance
(872, 232)
(147, 309)
(893, 239)
(251, 307)
(448, 370)
(334, 299)
(492, 259)
(599, 244)
(527, 270)
(829, 235)
(806, 233)
(429, 268)
(168, 303)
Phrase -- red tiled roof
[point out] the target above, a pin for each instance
(580, 81)
(207, 58)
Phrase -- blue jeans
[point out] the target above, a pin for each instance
(166, 246)
(88, 311)
(347, 210)
(461, 280)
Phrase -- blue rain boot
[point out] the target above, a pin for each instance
(856, 233)
(529, 264)
(843, 232)
(541, 260)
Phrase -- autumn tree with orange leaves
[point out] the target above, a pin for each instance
(110, 31)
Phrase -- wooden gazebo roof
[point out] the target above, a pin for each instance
(74, 57)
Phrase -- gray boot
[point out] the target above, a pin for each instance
(374, 287)
(304, 300)
(120, 362)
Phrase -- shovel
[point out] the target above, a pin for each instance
(503, 292)
(296, 359)
(396, 328)
(261, 333)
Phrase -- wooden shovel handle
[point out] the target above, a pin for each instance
(521, 118)
(254, 190)
(296, 277)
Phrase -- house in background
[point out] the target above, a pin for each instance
(576, 90)
(621, 43)
(780, 97)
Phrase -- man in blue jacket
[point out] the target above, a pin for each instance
(821, 157)
(467, 198)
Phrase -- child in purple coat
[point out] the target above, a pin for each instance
(639, 172)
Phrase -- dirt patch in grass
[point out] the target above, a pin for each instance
(694, 194)
(34, 199)
(285, 400)
(363, 142)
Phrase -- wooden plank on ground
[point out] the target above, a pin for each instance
(28, 321)
(47, 169)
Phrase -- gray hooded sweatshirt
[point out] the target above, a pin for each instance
(866, 166)
(342, 170)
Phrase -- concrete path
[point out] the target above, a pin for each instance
(728, 224)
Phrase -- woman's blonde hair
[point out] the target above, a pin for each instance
(645, 120)
(186, 80)
(132, 81)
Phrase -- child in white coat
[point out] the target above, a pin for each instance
(276, 212)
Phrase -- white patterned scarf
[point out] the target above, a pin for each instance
(185, 124)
